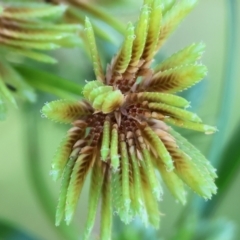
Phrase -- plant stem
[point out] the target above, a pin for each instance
(100, 14)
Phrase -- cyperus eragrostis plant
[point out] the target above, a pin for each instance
(120, 130)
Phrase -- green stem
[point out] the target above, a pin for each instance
(100, 14)
(30, 122)
(197, 207)
(228, 82)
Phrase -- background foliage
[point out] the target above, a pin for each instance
(27, 143)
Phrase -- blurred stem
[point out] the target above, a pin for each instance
(100, 14)
(199, 207)
(31, 128)
(228, 82)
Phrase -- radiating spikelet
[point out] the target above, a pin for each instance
(159, 147)
(64, 150)
(114, 148)
(126, 200)
(97, 177)
(64, 186)
(174, 111)
(167, 98)
(66, 111)
(187, 55)
(105, 146)
(176, 79)
(93, 50)
(79, 173)
(173, 17)
(191, 125)
(125, 54)
(141, 36)
(153, 33)
(36, 11)
(106, 208)
(167, 5)
(173, 182)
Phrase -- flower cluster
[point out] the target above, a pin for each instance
(120, 130)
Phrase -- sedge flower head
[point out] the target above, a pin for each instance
(121, 131)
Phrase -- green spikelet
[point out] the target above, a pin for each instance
(153, 181)
(167, 5)
(187, 55)
(78, 176)
(173, 17)
(94, 52)
(99, 91)
(64, 186)
(137, 201)
(141, 35)
(177, 79)
(126, 201)
(194, 153)
(166, 98)
(159, 147)
(63, 152)
(125, 54)
(149, 201)
(105, 148)
(114, 148)
(66, 111)
(36, 11)
(194, 177)
(94, 196)
(176, 112)
(153, 31)
(191, 125)
(106, 210)
(173, 182)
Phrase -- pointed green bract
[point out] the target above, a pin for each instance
(105, 146)
(65, 111)
(125, 183)
(173, 17)
(153, 181)
(141, 35)
(176, 112)
(150, 202)
(137, 200)
(167, 5)
(156, 97)
(79, 173)
(37, 11)
(173, 182)
(63, 152)
(195, 154)
(153, 31)
(106, 209)
(187, 55)
(64, 186)
(191, 125)
(177, 79)
(190, 173)
(125, 54)
(114, 148)
(94, 197)
(94, 52)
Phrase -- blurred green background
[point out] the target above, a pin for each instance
(20, 203)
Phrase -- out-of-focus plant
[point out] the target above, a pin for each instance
(29, 30)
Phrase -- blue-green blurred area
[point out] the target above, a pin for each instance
(20, 204)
